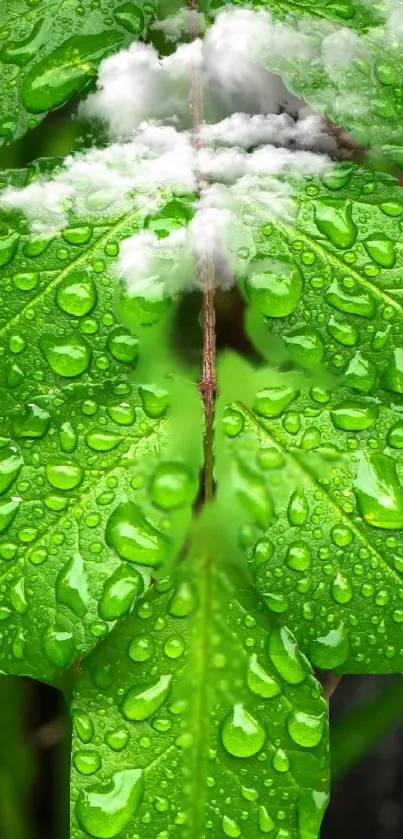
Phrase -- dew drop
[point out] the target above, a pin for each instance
(103, 810)
(280, 761)
(68, 357)
(133, 537)
(87, 762)
(286, 656)
(58, 647)
(330, 650)
(305, 729)
(77, 294)
(333, 218)
(71, 586)
(341, 589)
(119, 592)
(354, 416)
(10, 465)
(278, 293)
(64, 474)
(259, 680)
(378, 491)
(241, 735)
(33, 422)
(271, 402)
(299, 556)
(297, 510)
(139, 702)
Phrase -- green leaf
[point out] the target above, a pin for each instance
(316, 492)
(51, 51)
(331, 292)
(96, 484)
(207, 717)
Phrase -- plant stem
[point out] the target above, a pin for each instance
(206, 270)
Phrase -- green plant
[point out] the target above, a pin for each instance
(178, 558)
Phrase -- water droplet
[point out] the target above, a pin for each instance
(141, 648)
(71, 586)
(385, 71)
(58, 646)
(64, 474)
(117, 739)
(280, 761)
(140, 702)
(354, 416)
(123, 414)
(259, 680)
(341, 589)
(154, 400)
(103, 441)
(10, 465)
(68, 437)
(297, 510)
(299, 556)
(311, 807)
(182, 601)
(305, 729)
(264, 821)
(66, 70)
(119, 592)
(278, 293)
(230, 827)
(286, 656)
(174, 647)
(392, 379)
(241, 734)
(33, 422)
(131, 17)
(21, 52)
(333, 218)
(8, 510)
(133, 537)
(271, 402)
(337, 176)
(330, 650)
(87, 762)
(68, 357)
(381, 249)
(123, 346)
(362, 303)
(77, 294)
(8, 247)
(341, 535)
(233, 422)
(171, 485)
(18, 597)
(305, 345)
(342, 331)
(77, 235)
(83, 725)
(378, 491)
(103, 810)
(395, 435)
(360, 374)
(26, 280)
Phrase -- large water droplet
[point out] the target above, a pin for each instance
(103, 441)
(271, 402)
(280, 761)
(131, 17)
(33, 422)
(334, 219)
(8, 247)
(260, 681)
(342, 331)
(305, 345)
(64, 474)
(20, 52)
(133, 537)
(119, 592)
(241, 734)
(58, 646)
(10, 465)
(87, 762)
(278, 293)
(140, 702)
(395, 435)
(8, 510)
(182, 601)
(68, 437)
(286, 657)
(330, 650)
(123, 346)
(67, 69)
(305, 729)
(378, 491)
(299, 556)
(77, 294)
(83, 725)
(155, 401)
(360, 374)
(103, 810)
(265, 822)
(68, 357)
(297, 510)
(71, 586)
(392, 379)
(360, 303)
(171, 485)
(381, 249)
(354, 416)
(311, 807)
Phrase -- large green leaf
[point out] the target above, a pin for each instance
(189, 718)
(89, 494)
(50, 51)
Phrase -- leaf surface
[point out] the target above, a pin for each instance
(214, 723)
(92, 500)
(51, 50)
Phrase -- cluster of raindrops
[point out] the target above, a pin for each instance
(84, 502)
(134, 730)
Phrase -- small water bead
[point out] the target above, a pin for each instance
(280, 761)
(171, 485)
(285, 655)
(87, 762)
(182, 601)
(292, 422)
(83, 725)
(330, 650)
(64, 474)
(174, 647)
(306, 729)
(119, 592)
(140, 703)
(16, 343)
(341, 535)
(58, 646)
(72, 587)
(297, 510)
(141, 648)
(260, 681)
(33, 422)
(378, 491)
(395, 435)
(133, 537)
(68, 357)
(233, 422)
(241, 734)
(103, 810)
